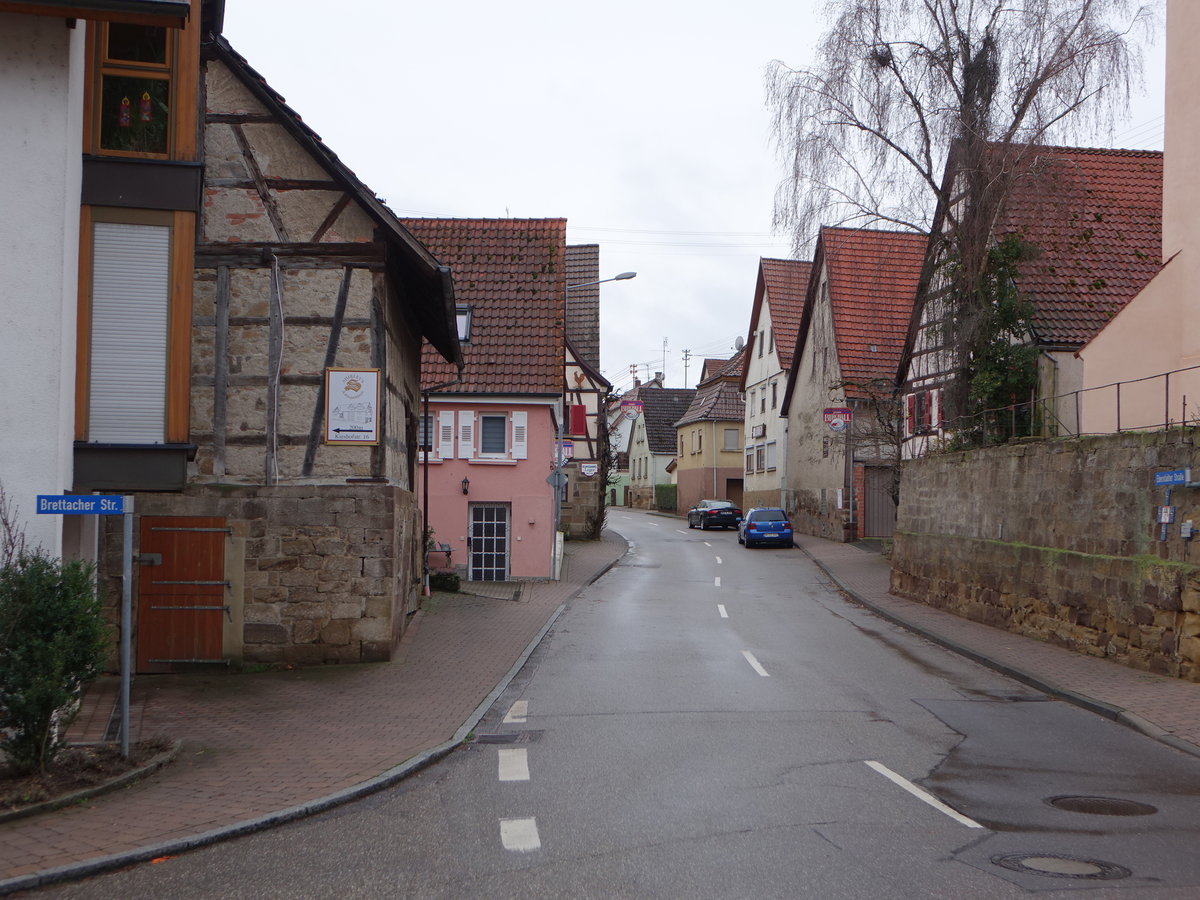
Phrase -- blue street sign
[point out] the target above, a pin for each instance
(80, 504)
(1171, 477)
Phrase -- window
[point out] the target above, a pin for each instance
(133, 97)
(760, 344)
(425, 433)
(752, 403)
(462, 317)
(134, 326)
(762, 408)
(699, 441)
(681, 445)
(493, 435)
(771, 333)
(733, 439)
(760, 458)
(771, 456)
(920, 418)
(749, 460)
(774, 394)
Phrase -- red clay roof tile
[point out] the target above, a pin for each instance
(785, 285)
(511, 273)
(1095, 217)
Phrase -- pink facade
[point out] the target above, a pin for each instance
(503, 527)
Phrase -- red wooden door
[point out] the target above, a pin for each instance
(181, 591)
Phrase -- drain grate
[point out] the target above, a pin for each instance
(1102, 806)
(1055, 866)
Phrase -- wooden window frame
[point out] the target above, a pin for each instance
(179, 321)
(181, 70)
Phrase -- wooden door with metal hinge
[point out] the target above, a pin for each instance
(182, 592)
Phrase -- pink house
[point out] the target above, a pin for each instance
(493, 428)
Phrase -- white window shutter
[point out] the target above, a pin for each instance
(520, 441)
(466, 435)
(131, 302)
(444, 448)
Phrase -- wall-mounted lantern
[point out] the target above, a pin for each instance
(466, 485)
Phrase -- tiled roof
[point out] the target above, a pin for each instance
(719, 400)
(583, 304)
(873, 279)
(710, 368)
(784, 284)
(662, 408)
(1095, 217)
(510, 272)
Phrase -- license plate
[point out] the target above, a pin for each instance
(771, 534)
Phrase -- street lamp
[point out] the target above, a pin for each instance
(557, 478)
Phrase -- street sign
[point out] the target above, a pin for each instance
(80, 504)
(631, 409)
(1172, 477)
(588, 470)
(352, 406)
(556, 479)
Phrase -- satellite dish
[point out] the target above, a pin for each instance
(739, 343)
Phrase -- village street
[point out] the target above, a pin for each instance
(712, 721)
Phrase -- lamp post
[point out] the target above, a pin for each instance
(557, 478)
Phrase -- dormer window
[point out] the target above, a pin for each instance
(462, 316)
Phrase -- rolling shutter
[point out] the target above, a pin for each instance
(131, 298)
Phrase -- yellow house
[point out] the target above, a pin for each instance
(709, 437)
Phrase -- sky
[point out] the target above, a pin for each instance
(642, 122)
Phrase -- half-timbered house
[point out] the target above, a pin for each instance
(289, 531)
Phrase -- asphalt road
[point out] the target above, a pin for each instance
(712, 721)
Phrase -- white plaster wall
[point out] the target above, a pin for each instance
(41, 107)
(760, 372)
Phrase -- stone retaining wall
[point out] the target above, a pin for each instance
(1059, 540)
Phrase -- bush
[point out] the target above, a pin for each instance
(666, 497)
(444, 581)
(53, 639)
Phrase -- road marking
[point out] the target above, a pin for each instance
(921, 794)
(653, 524)
(514, 764)
(755, 664)
(717, 581)
(718, 560)
(517, 713)
(520, 835)
(707, 544)
(680, 531)
(721, 610)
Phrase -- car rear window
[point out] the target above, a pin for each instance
(769, 515)
(720, 504)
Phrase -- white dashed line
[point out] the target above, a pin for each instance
(718, 560)
(707, 544)
(755, 664)
(517, 713)
(920, 794)
(514, 764)
(680, 531)
(520, 835)
(717, 581)
(721, 610)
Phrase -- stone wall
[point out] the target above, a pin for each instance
(1059, 540)
(318, 573)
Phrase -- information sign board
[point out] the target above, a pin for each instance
(352, 406)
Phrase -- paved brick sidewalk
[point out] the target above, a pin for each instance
(261, 748)
(1165, 708)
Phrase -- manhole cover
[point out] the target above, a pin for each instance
(1055, 866)
(1102, 806)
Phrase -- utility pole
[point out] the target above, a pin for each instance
(687, 354)
(664, 368)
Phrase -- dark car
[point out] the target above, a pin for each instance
(765, 525)
(714, 514)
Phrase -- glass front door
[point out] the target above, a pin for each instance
(489, 542)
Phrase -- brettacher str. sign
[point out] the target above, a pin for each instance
(80, 504)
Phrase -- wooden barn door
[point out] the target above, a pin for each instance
(181, 592)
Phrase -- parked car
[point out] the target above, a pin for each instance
(714, 514)
(765, 525)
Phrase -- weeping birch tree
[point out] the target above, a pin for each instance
(921, 114)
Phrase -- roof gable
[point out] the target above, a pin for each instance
(1094, 217)
(510, 273)
(661, 409)
(783, 285)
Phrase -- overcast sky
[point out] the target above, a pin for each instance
(642, 123)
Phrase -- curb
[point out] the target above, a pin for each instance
(1091, 704)
(74, 871)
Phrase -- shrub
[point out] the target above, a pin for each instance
(444, 581)
(52, 643)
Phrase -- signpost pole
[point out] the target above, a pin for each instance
(126, 616)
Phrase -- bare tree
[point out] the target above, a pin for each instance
(867, 130)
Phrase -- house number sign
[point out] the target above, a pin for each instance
(352, 406)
